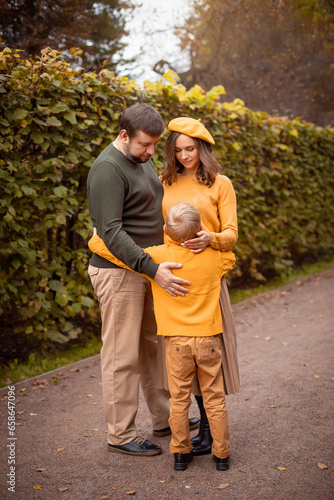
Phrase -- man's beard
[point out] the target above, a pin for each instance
(132, 158)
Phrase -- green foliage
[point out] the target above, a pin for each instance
(56, 120)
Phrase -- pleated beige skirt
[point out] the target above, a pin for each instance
(228, 343)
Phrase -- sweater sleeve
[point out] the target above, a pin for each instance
(227, 212)
(97, 245)
(228, 261)
(107, 194)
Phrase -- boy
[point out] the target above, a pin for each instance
(191, 326)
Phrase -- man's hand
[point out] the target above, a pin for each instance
(168, 281)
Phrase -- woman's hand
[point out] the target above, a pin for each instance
(197, 245)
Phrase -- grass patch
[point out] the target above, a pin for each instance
(297, 274)
(37, 364)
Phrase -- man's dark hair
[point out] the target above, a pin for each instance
(142, 117)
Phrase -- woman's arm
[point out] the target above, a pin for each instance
(227, 214)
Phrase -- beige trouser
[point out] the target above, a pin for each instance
(187, 356)
(128, 352)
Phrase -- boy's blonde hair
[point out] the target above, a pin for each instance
(183, 221)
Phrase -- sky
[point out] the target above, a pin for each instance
(151, 37)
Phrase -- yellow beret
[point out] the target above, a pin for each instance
(190, 127)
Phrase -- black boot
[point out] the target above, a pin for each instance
(203, 441)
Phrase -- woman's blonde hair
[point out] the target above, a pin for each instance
(183, 222)
(207, 170)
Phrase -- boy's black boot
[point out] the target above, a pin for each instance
(181, 460)
(222, 463)
(203, 441)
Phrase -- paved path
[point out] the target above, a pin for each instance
(282, 418)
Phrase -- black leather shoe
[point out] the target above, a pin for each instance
(181, 460)
(139, 446)
(222, 463)
(193, 424)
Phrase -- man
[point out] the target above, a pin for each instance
(124, 195)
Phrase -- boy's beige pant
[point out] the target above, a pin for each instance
(187, 356)
(129, 351)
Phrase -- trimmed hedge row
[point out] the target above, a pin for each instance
(54, 122)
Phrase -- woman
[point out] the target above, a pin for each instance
(192, 174)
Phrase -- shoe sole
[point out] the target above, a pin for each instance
(180, 468)
(134, 453)
(168, 433)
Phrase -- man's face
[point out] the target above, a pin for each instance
(140, 148)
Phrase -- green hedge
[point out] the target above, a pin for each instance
(54, 122)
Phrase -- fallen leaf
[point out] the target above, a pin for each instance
(60, 449)
(59, 374)
(223, 486)
(256, 336)
(62, 489)
(322, 466)
(281, 468)
(131, 492)
(93, 376)
(163, 481)
(41, 470)
(104, 497)
(17, 423)
(285, 343)
(37, 486)
(72, 370)
(324, 416)
(316, 376)
(96, 429)
(33, 414)
(267, 338)
(20, 412)
(87, 435)
(294, 326)
(89, 395)
(95, 403)
(273, 406)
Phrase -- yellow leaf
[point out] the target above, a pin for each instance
(223, 486)
(60, 449)
(293, 132)
(131, 492)
(316, 376)
(62, 489)
(273, 406)
(281, 468)
(33, 414)
(322, 466)
(87, 435)
(37, 486)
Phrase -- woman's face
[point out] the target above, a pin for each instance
(187, 154)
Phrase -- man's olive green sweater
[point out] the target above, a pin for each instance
(125, 206)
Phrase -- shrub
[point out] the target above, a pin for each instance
(55, 120)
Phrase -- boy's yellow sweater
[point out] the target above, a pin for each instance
(197, 314)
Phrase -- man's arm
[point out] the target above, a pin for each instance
(163, 277)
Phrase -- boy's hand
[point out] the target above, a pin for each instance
(168, 281)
